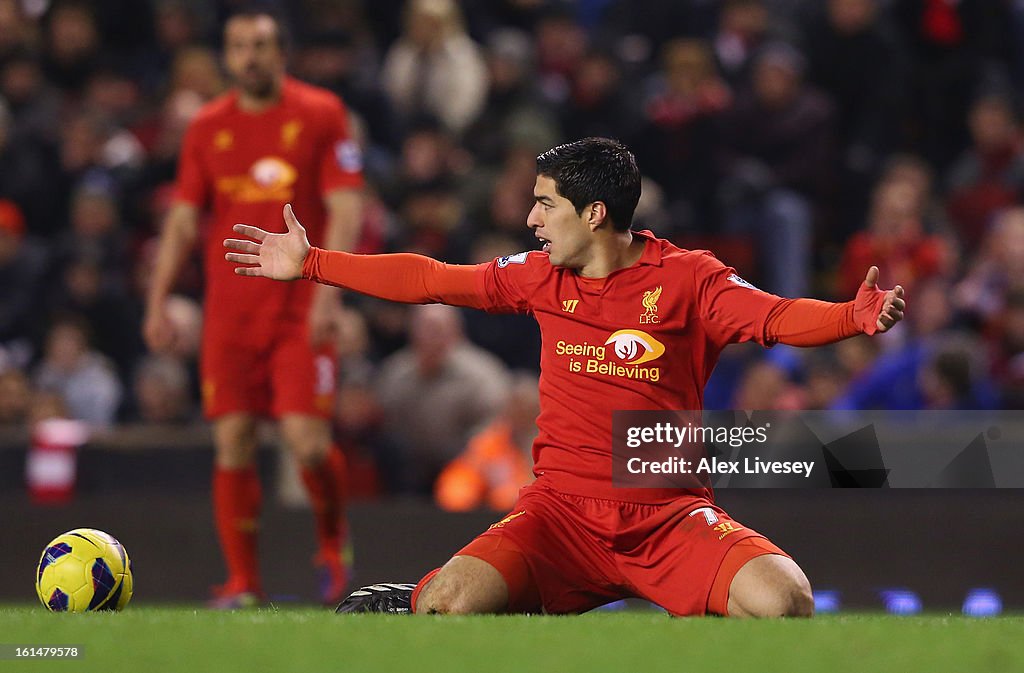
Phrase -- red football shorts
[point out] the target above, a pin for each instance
(562, 553)
(266, 372)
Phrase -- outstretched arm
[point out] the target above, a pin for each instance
(809, 322)
(403, 277)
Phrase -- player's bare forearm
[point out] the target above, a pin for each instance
(176, 240)
(344, 219)
(344, 222)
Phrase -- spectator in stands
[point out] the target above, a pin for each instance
(95, 232)
(27, 164)
(953, 46)
(162, 390)
(332, 59)
(743, 28)
(777, 156)
(599, 104)
(512, 337)
(561, 45)
(16, 28)
(497, 460)
(72, 45)
(1005, 335)
(15, 397)
(989, 175)
(678, 135)
(506, 201)
(430, 212)
(896, 241)
(34, 103)
(195, 79)
(914, 170)
(435, 67)
(514, 112)
(84, 379)
(113, 94)
(197, 69)
(953, 377)
(83, 289)
(23, 266)
(428, 154)
(996, 271)
(931, 370)
(437, 392)
(824, 379)
(856, 61)
(766, 385)
(177, 27)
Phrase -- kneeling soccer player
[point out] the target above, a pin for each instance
(573, 541)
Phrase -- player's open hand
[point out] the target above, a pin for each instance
(884, 307)
(276, 256)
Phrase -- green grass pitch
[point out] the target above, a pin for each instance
(153, 640)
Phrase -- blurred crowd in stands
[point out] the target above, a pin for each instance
(800, 140)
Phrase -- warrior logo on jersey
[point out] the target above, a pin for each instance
(223, 140)
(650, 302)
(290, 133)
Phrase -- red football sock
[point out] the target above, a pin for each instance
(419, 587)
(325, 484)
(236, 507)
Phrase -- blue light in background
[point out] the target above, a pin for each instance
(900, 601)
(982, 602)
(826, 601)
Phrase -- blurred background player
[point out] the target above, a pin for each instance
(270, 140)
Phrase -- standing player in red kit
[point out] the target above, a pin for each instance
(573, 541)
(271, 140)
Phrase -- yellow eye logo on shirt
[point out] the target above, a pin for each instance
(269, 179)
(635, 347)
(272, 172)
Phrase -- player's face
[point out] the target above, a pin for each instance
(564, 233)
(253, 55)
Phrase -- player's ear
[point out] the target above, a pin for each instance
(597, 214)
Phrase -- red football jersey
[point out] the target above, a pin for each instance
(244, 167)
(645, 337)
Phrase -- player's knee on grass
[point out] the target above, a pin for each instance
(308, 438)
(464, 586)
(770, 586)
(234, 440)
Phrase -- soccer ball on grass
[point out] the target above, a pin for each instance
(84, 570)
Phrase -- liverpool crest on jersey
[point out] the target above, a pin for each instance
(650, 302)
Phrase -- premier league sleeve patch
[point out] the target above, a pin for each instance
(733, 278)
(519, 258)
(348, 156)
